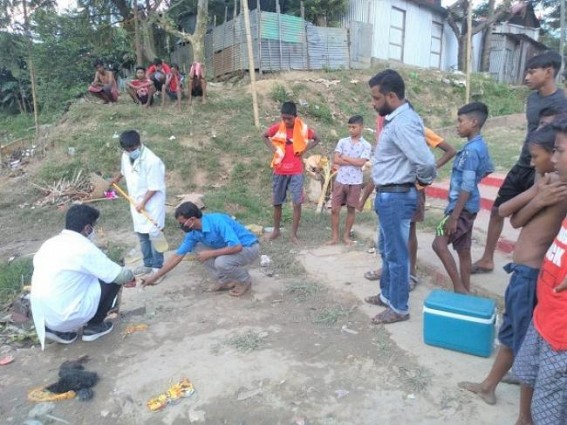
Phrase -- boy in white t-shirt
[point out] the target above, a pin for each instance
(350, 154)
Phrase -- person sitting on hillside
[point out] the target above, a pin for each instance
(175, 87)
(222, 244)
(160, 74)
(104, 85)
(141, 89)
(74, 284)
(198, 86)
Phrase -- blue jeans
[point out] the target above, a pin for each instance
(152, 258)
(395, 211)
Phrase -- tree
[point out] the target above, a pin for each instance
(457, 14)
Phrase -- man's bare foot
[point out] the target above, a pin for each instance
(482, 267)
(487, 396)
(274, 235)
(294, 240)
(348, 241)
(333, 242)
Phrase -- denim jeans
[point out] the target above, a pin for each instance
(395, 211)
(152, 258)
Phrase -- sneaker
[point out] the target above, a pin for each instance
(94, 332)
(60, 337)
(138, 271)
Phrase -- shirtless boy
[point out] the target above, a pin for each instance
(104, 85)
(539, 211)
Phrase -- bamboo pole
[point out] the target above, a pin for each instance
(469, 52)
(252, 67)
(32, 70)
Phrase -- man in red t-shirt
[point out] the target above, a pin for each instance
(541, 363)
(160, 74)
(288, 140)
(141, 89)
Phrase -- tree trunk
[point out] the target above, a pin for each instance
(198, 42)
(147, 40)
(486, 42)
(462, 55)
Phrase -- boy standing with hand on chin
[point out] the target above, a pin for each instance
(350, 154)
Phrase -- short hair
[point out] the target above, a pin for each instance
(356, 119)
(543, 137)
(390, 82)
(478, 110)
(97, 62)
(560, 125)
(289, 108)
(78, 216)
(158, 61)
(188, 210)
(174, 65)
(140, 67)
(129, 139)
(549, 59)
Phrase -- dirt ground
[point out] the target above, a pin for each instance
(291, 352)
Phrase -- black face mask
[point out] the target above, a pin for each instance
(186, 228)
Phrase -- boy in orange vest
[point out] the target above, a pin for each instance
(288, 140)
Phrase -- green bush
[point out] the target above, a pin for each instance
(13, 276)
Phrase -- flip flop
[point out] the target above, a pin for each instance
(475, 269)
(389, 316)
(375, 300)
(218, 287)
(373, 274)
(240, 289)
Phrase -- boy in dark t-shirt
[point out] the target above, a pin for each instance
(541, 71)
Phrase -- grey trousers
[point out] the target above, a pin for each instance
(231, 268)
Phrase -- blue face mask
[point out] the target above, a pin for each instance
(134, 155)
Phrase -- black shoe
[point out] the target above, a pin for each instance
(93, 332)
(60, 337)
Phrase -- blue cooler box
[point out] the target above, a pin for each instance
(459, 322)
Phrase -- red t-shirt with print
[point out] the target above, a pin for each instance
(291, 164)
(550, 314)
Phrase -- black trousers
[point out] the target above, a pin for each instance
(108, 295)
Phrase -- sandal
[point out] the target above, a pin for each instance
(240, 289)
(218, 287)
(389, 316)
(414, 281)
(373, 274)
(375, 300)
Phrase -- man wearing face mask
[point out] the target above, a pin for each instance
(401, 160)
(222, 244)
(74, 284)
(145, 179)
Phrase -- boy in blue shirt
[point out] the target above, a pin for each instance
(471, 164)
(222, 244)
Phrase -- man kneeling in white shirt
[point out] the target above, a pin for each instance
(74, 284)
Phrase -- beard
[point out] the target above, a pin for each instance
(384, 110)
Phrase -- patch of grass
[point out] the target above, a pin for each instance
(279, 94)
(247, 342)
(417, 380)
(433, 217)
(13, 276)
(330, 315)
(320, 111)
(301, 290)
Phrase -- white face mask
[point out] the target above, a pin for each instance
(91, 235)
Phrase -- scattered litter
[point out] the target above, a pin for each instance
(299, 421)
(115, 135)
(196, 416)
(56, 419)
(354, 81)
(71, 151)
(324, 81)
(265, 261)
(182, 389)
(245, 395)
(341, 393)
(41, 409)
(110, 194)
(372, 250)
(138, 327)
(255, 228)
(6, 360)
(303, 103)
(348, 331)
(172, 138)
(411, 397)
